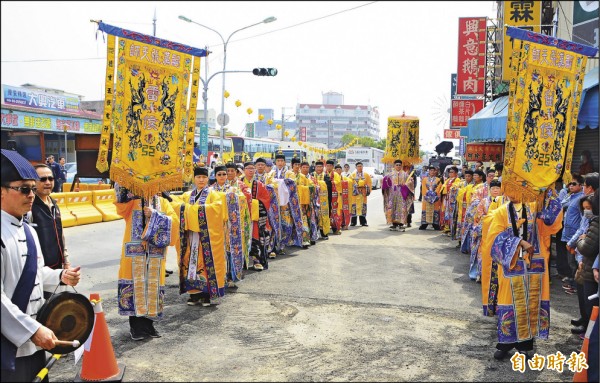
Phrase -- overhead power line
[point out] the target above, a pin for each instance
(220, 44)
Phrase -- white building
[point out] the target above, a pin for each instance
(329, 121)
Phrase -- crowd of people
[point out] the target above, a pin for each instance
(237, 218)
(510, 242)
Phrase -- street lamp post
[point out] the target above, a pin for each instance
(65, 128)
(222, 119)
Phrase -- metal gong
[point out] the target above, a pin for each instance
(71, 317)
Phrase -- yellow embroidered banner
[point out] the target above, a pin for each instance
(402, 140)
(542, 114)
(147, 102)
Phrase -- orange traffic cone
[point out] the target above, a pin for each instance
(99, 362)
(582, 376)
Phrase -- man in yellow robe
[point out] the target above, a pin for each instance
(235, 240)
(462, 199)
(363, 183)
(430, 207)
(303, 191)
(319, 177)
(518, 240)
(335, 197)
(311, 206)
(150, 227)
(347, 197)
(201, 248)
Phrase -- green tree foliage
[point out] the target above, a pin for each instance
(347, 138)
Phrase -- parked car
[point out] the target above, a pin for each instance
(376, 176)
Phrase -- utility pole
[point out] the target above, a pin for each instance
(154, 24)
(282, 123)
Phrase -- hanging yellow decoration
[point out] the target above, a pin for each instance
(278, 126)
(238, 103)
(293, 139)
(249, 111)
(286, 133)
(226, 94)
(261, 117)
(270, 122)
(300, 143)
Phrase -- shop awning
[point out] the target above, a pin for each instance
(489, 124)
(588, 111)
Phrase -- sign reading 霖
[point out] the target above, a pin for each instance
(521, 14)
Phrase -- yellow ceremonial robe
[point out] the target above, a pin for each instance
(142, 267)
(198, 279)
(523, 296)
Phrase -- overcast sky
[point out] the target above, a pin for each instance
(397, 56)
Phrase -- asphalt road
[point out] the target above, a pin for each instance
(368, 305)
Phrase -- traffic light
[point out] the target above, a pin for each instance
(264, 71)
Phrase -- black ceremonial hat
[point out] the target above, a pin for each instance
(15, 167)
(200, 171)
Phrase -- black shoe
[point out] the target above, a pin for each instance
(500, 354)
(409, 225)
(135, 334)
(150, 330)
(577, 322)
(194, 300)
(352, 224)
(305, 247)
(168, 271)
(578, 330)
(365, 225)
(422, 227)
(436, 227)
(312, 242)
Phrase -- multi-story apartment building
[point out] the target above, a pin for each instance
(328, 121)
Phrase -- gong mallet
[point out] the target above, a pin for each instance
(44, 371)
(73, 343)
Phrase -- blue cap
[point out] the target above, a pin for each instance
(15, 167)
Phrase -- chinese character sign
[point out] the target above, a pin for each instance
(32, 98)
(491, 152)
(303, 133)
(146, 104)
(402, 140)
(462, 110)
(543, 106)
(471, 55)
(521, 14)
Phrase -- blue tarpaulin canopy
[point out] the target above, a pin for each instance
(588, 111)
(489, 124)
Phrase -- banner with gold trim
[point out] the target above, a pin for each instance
(543, 106)
(402, 140)
(151, 94)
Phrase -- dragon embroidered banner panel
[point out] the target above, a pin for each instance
(148, 84)
(542, 113)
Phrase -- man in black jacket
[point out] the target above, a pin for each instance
(45, 218)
